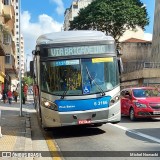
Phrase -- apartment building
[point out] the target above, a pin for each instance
(22, 54)
(19, 41)
(72, 12)
(8, 44)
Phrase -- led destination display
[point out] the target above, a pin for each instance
(81, 50)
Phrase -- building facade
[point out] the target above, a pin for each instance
(19, 40)
(139, 68)
(8, 43)
(73, 11)
(7, 21)
(156, 33)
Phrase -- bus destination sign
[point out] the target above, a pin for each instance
(81, 50)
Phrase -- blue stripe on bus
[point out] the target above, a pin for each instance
(85, 104)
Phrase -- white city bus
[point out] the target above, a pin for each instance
(76, 75)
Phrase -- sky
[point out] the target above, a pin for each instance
(45, 16)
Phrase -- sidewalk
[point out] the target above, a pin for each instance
(21, 134)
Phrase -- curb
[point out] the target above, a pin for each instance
(28, 136)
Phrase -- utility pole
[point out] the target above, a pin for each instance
(20, 74)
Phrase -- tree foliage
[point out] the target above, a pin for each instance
(112, 17)
(28, 80)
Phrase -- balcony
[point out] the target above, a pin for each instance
(9, 26)
(2, 53)
(1, 7)
(8, 48)
(2, 20)
(10, 68)
(13, 47)
(8, 11)
(2, 69)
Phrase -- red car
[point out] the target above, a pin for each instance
(140, 102)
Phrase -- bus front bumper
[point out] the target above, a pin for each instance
(106, 115)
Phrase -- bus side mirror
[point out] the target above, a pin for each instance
(120, 65)
(31, 69)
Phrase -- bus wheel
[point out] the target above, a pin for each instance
(132, 114)
(44, 128)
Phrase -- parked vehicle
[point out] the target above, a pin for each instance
(140, 102)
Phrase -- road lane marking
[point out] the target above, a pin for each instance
(157, 140)
(52, 147)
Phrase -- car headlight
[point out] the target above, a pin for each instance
(140, 105)
(49, 105)
(114, 99)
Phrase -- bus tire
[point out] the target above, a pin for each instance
(45, 128)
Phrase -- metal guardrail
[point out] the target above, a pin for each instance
(134, 66)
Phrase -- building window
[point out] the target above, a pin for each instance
(6, 39)
(8, 59)
(16, 20)
(7, 2)
(75, 5)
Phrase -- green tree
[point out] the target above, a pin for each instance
(28, 80)
(113, 17)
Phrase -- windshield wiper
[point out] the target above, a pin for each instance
(64, 93)
(92, 80)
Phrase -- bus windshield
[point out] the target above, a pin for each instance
(79, 76)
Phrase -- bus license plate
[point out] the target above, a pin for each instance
(86, 121)
(156, 112)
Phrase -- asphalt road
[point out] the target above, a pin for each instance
(126, 140)
(111, 141)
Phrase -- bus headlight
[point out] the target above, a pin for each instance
(114, 99)
(49, 105)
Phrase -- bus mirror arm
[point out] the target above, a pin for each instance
(63, 95)
(120, 65)
(35, 52)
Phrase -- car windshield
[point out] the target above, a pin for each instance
(146, 92)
